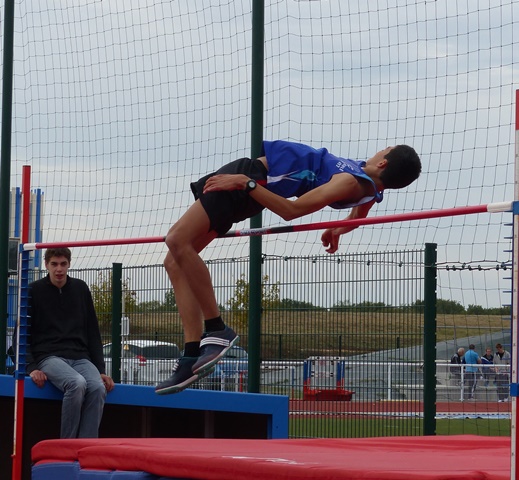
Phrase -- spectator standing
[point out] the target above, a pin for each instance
(502, 367)
(488, 372)
(472, 360)
(455, 368)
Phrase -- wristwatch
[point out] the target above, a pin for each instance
(251, 185)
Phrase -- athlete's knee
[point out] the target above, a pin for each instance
(177, 245)
(170, 264)
(172, 240)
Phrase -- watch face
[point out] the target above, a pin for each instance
(251, 185)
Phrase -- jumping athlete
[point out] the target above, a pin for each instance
(291, 180)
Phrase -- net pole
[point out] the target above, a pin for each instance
(514, 465)
(21, 336)
(401, 217)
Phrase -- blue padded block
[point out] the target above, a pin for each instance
(133, 476)
(173, 478)
(55, 471)
(95, 475)
(114, 475)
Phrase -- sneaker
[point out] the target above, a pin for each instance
(213, 347)
(182, 377)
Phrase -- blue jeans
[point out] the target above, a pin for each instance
(84, 395)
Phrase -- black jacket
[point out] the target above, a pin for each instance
(63, 322)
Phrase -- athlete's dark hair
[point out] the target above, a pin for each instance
(57, 252)
(403, 167)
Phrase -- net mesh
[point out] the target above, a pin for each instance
(118, 106)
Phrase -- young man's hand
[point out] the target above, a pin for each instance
(38, 377)
(109, 383)
(330, 239)
(226, 181)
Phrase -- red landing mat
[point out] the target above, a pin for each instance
(396, 458)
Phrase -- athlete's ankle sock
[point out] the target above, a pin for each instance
(214, 324)
(192, 349)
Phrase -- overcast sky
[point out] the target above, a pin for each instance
(118, 105)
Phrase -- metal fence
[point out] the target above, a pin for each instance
(342, 336)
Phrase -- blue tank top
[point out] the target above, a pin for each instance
(295, 169)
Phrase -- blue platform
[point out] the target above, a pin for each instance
(133, 411)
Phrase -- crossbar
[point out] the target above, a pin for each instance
(248, 232)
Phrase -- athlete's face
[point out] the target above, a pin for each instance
(377, 162)
(379, 156)
(58, 268)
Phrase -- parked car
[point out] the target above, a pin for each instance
(144, 362)
(230, 372)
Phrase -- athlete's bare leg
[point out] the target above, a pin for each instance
(188, 273)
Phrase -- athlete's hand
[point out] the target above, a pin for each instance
(330, 240)
(226, 182)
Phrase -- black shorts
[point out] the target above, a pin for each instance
(224, 208)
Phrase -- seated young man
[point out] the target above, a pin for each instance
(65, 346)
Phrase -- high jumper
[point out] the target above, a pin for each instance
(291, 180)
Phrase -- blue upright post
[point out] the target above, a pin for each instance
(21, 339)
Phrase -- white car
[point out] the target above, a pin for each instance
(143, 362)
(230, 373)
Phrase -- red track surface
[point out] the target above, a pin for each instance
(307, 407)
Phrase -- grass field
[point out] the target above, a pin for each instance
(381, 427)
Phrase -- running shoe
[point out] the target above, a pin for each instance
(182, 376)
(213, 347)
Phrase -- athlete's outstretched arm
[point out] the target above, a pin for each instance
(330, 237)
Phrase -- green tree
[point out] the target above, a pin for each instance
(170, 301)
(342, 305)
(476, 310)
(102, 297)
(450, 307)
(446, 307)
(239, 304)
(365, 306)
(289, 304)
(504, 310)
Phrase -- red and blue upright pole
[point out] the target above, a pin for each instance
(22, 330)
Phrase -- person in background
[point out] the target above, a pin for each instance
(487, 372)
(502, 368)
(472, 360)
(65, 348)
(455, 367)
